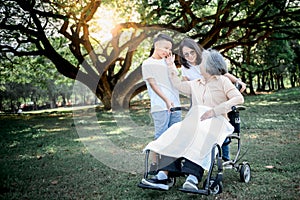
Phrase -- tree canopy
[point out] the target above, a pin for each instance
(108, 67)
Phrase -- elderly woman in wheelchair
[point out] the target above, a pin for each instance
(188, 147)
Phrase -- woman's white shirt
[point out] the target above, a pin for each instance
(192, 73)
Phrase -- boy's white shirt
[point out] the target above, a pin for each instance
(158, 70)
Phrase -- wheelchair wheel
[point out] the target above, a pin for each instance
(217, 189)
(245, 173)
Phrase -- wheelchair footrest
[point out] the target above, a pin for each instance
(205, 192)
(141, 185)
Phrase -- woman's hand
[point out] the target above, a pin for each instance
(208, 114)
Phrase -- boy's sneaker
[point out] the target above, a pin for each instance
(190, 185)
(164, 184)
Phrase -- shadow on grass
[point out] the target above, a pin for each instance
(42, 156)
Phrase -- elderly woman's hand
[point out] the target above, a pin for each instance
(170, 60)
(208, 114)
(243, 86)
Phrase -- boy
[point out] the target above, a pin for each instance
(163, 95)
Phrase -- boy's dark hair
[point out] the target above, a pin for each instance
(163, 36)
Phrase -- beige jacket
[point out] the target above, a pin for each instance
(218, 92)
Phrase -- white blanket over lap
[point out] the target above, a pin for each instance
(193, 139)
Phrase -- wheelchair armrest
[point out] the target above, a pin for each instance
(238, 108)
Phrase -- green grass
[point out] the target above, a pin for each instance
(56, 155)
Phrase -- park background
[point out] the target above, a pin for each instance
(68, 66)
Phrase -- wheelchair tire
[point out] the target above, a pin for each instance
(215, 190)
(245, 172)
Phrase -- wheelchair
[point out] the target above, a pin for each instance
(213, 178)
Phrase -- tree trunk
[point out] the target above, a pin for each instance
(137, 89)
(278, 82)
(64, 101)
(264, 81)
(272, 84)
(105, 99)
(282, 82)
(12, 106)
(259, 80)
(1, 103)
(124, 90)
(293, 80)
(251, 84)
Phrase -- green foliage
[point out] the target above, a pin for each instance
(66, 32)
(34, 78)
(281, 53)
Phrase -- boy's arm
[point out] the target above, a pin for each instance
(157, 90)
(234, 80)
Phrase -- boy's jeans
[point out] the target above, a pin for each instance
(163, 120)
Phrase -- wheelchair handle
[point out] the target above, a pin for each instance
(238, 86)
(233, 108)
(175, 109)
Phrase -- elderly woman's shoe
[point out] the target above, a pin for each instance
(156, 183)
(190, 185)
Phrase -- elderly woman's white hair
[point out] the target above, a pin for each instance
(214, 62)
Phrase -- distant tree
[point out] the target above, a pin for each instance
(280, 57)
(32, 79)
(294, 69)
(271, 62)
(27, 27)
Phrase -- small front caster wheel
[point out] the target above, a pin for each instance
(217, 189)
(245, 172)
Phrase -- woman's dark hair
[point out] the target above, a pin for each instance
(187, 42)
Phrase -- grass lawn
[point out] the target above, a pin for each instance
(96, 154)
